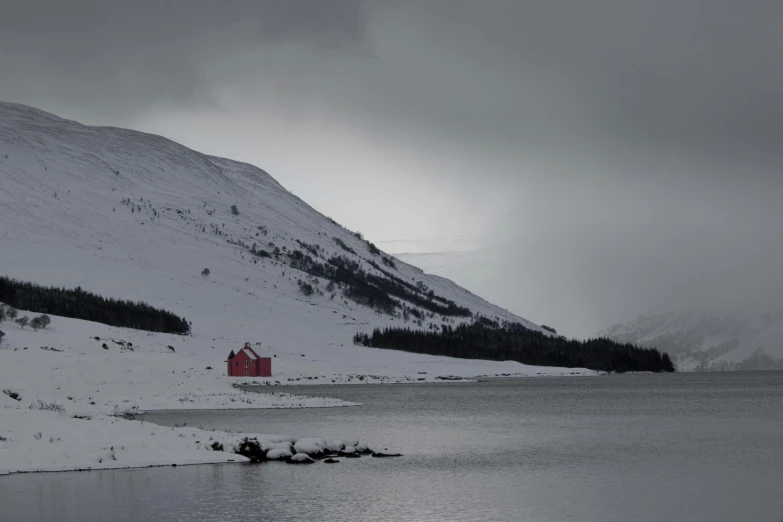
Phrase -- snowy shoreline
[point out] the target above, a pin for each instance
(90, 376)
(65, 443)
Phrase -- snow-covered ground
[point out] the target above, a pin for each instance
(40, 440)
(134, 216)
(65, 365)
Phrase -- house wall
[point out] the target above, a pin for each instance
(236, 366)
(261, 367)
(265, 367)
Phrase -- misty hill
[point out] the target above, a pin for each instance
(133, 216)
(709, 341)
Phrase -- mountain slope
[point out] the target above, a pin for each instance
(706, 341)
(136, 216)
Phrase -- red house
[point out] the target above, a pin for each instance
(247, 363)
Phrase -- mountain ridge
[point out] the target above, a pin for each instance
(708, 341)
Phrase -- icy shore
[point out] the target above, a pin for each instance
(93, 375)
(38, 440)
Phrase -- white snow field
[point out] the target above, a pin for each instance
(134, 216)
(39, 440)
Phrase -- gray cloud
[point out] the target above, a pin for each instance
(627, 153)
(121, 57)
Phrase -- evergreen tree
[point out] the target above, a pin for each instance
(516, 343)
(80, 304)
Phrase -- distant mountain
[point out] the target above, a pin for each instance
(716, 341)
(135, 216)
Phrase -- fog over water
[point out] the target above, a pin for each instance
(612, 157)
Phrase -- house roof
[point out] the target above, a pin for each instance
(250, 353)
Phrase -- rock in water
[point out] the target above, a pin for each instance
(385, 453)
(363, 448)
(300, 458)
(311, 446)
(331, 461)
(279, 454)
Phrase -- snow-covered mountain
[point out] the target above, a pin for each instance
(709, 341)
(136, 216)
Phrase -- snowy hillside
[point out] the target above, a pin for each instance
(717, 341)
(136, 216)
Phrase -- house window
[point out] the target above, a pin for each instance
(236, 363)
(245, 363)
(245, 371)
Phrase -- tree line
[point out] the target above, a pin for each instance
(373, 290)
(516, 343)
(80, 304)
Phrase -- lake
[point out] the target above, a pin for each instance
(679, 447)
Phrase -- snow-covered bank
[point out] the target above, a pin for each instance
(33, 440)
(93, 368)
(85, 374)
(93, 372)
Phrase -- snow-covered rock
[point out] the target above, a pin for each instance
(269, 445)
(310, 446)
(300, 458)
(362, 447)
(278, 454)
(334, 445)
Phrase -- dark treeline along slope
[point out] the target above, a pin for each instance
(368, 289)
(515, 343)
(80, 304)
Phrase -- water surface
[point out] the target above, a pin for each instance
(685, 447)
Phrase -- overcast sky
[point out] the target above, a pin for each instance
(615, 156)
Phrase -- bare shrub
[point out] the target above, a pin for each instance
(132, 413)
(12, 394)
(47, 406)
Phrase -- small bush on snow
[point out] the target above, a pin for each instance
(45, 320)
(132, 413)
(47, 406)
(12, 394)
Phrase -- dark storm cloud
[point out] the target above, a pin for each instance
(691, 76)
(125, 56)
(630, 151)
